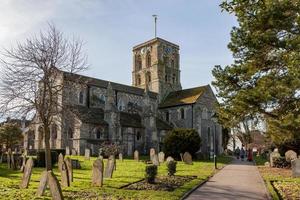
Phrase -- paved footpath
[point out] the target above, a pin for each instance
(238, 180)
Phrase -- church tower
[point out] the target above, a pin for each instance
(156, 65)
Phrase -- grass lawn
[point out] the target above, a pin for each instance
(127, 171)
(279, 181)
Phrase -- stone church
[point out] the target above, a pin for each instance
(135, 117)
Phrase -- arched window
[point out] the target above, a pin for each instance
(182, 113)
(204, 113)
(70, 132)
(148, 77)
(138, 80)
(167, 116)
(138, 136)
(138, 62)
(148, 61)
(98, 134)
(166, 60)
(166, 77)
(54, 131)
(173, 63)
(174, 78)
(41, 133)
(81, 97)
(121, 105)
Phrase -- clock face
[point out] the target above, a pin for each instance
(143, 50)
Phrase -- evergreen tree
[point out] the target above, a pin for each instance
(264, 80)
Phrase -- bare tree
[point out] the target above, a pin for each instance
(31, 74)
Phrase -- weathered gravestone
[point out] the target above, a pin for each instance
(136, 155)
(69, 169)
(110, 166)
(161, 157)
(290, 155)
(43, 184)
(8, 158)
(67, 150)
(60, 161)
(54, 186)
(87, 154)
(13, 161)
(169, 158)
(97, 176)
(187, 158)
(24, 157)
(273, 155)
(27, 174)
(181, 157)
(65, 180)
(155, 160)
(296, 168)
(121, 157)
(152, 153)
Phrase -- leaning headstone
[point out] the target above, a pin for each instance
(110, 166)
(43, 184)
(296, 168)
(273, 155)
(187, 158)
(169, 158)
(136, 155)
(155, 160)
(87, 154)
(60, 161)
(69, 169)
(161, 157)
(290, 155)
(121, 157)
(97, 176)
(67, 150)
(27, 174)
(54, 186)
(152, 153)
(65, 181)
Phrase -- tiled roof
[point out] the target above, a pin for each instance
(130, 120)
(162, 125)
(89, 115)
(103, 83)
(183, 97)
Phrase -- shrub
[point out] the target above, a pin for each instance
(181, 140)
(151, 172)
(107, 149)
(171, 167)
(280, 162)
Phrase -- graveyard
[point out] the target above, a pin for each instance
(121, 186)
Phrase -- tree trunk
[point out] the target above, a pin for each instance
(47, 148)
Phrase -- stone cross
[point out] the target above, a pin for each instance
(136, 155)
(69, 168)
(296, 168)
(65, 180)
(87, 154)
(27, 174)
(67, 150)
(97, 176)
(290, 155)
(121, 157)
(110, 166)
(60, 161)
(161, 157)
(155, 160)
(187, 158)
(152, 153)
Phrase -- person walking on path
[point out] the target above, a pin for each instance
(237, 180)
(242, 154)
(237, 152)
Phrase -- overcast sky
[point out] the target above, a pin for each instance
(111, 28)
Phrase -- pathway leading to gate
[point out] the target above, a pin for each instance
(238, 180)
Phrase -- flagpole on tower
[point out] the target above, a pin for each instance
(155, 22)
